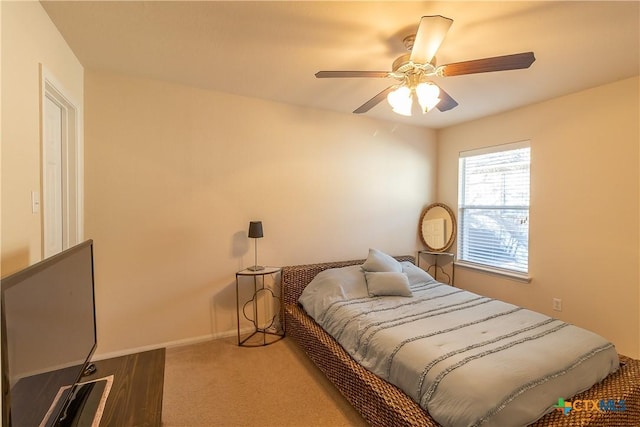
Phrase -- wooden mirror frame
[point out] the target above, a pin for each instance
(452, 236)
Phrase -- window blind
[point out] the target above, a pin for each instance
(493, 207)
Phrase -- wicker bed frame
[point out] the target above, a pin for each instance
(383, 404)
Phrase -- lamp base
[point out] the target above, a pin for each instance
(255, 268)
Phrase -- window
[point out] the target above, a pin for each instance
(493, 207)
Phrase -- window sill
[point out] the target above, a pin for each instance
(520, 277)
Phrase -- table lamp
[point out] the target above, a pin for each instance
(255, 232)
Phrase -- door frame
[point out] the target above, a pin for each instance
(72, 160)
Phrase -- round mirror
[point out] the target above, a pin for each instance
(437, 227)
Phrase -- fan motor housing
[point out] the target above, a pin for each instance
(403, 64)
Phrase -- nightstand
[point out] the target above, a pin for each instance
(438, 264)
(267, 327)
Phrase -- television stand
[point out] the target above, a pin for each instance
(73, 413)
(89, 369)
(135, 398)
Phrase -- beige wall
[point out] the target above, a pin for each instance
(29, 39)
(584, 220)
(174, 174)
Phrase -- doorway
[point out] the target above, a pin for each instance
(62, 168)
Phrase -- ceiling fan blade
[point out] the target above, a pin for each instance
(333, 74)
(374, 101)
(498, 63)
(446, 101)
(431, 32)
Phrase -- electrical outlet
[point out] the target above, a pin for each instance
(557, 304)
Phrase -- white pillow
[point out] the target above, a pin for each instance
(416, 274)
(389, 284)
(378, 261)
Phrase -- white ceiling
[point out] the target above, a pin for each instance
(272, 50)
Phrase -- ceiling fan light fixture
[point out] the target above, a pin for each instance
(428, 96)
(401, 100)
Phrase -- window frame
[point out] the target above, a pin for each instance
(463, 206)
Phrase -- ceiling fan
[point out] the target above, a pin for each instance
(414, 70)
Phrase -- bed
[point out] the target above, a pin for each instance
(383, 404)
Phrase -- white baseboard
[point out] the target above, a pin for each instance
(170, 344)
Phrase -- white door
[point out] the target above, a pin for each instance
(52, 177)
(62, 168)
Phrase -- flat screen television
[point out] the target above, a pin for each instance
(48, 337)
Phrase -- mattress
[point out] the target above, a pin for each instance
(464, 358)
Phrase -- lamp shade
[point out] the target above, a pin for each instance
(400, 100)
(428, 95)
(255, 229)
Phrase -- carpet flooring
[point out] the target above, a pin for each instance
(217, 383)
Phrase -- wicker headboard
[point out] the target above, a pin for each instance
(296, 277)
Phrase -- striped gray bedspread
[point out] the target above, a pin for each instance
(467, 359)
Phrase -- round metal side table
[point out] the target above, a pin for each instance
(270, 329)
